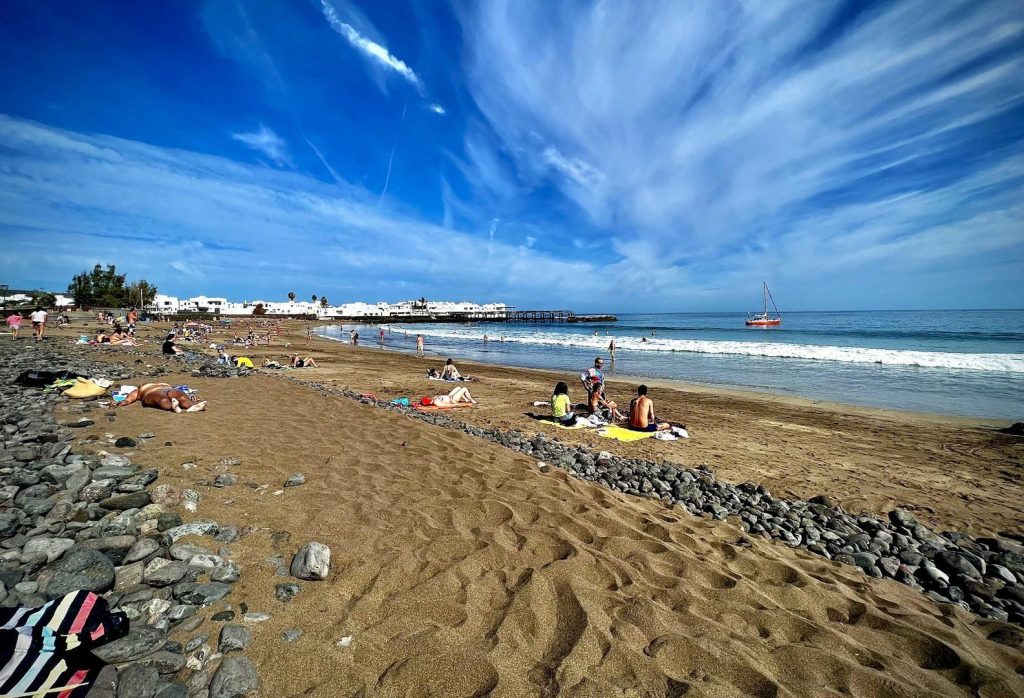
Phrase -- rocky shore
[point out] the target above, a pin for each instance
(98, 521)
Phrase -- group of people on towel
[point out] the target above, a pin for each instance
(641, 408)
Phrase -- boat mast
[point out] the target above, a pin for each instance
(765, 295)
(769, 294)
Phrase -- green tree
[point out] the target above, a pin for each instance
(314, 298)
(259, 310)
(140, 293)
(291, 296)
(43, 299)
(323, 301)
(103, 287)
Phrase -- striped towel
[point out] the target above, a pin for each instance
(44, 651)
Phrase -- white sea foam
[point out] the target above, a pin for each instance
(1009, 363)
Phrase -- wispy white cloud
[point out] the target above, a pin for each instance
(375, 52)
(70, 200)
(266, 141)
(733, 131)
(370, 49)
(573, 168)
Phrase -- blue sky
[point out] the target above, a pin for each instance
(603, 156)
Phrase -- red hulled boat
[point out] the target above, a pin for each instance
(764, 319)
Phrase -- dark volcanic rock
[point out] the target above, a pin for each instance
(80, 568)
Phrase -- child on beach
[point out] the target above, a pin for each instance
(14, 322)
(419, 345)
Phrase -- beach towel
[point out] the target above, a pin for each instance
(85, 389)
(577, 425)
(45, 650)
(548, 419)
(437, 407)
(623, 434)
(401, 401)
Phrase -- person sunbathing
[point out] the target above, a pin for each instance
(164, 397)
(641, 413)
(456, 396)
(267, 363)
(307, 362)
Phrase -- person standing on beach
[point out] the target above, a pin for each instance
(309, 334)
(14, 322)
(382, 336)
(38, 318)
(611, 349)
(419, 345)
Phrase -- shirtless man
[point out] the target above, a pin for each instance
(641, 413)
(164, 397)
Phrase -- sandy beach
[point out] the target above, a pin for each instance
(955, 473)
(459, 569)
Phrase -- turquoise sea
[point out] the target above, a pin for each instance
(958, 362)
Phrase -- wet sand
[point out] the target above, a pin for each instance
(459, 569)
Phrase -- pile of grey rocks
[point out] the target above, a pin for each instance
(72, 521)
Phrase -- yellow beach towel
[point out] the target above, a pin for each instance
(85, 388)
(621, 434)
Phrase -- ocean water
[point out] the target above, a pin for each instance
(958, 362)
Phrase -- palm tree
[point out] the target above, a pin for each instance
(314, 298)
(323, 301)
(291, 296)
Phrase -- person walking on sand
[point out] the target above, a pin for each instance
(419, 345)
(38, 318)
(641, 413)
(309, 334)
(14, 322)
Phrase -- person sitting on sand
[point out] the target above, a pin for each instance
(454, 397)
(169, 347)
(449, 372)
(242, 362)
(223, 358)
(164, 397)
(307, 362)
(561, 407)
(641, 413)
(267, 363)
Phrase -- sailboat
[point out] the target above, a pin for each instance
(764, 319)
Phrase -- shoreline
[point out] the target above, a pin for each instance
(722, 390)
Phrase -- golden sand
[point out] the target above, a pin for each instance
(458, 569)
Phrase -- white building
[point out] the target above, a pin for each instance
(406, 309)
(163, 304)
(202, 304)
